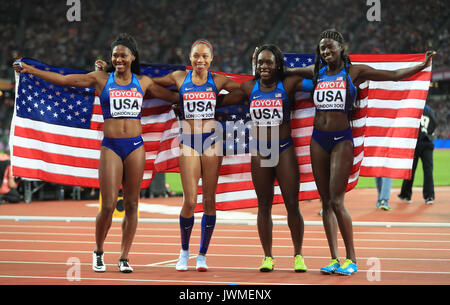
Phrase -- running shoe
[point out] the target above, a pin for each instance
(348, 268)
(182, 264)
(429, 201)
(267, 265)
(98, 263)
(299, 264)
(331, 268)
(124, 266)
(201, 263)
(384, 205)
(404, 199)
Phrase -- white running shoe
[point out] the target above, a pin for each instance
(124, 266)
(98, 264)
(182, 264)
(201, 263)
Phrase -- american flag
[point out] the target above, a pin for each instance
(56, 131)
(385, 128)
(385, 125)
(391, 118)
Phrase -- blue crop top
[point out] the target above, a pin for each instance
(270, 108)
(330, 93)
(121, 101)
(198, 102)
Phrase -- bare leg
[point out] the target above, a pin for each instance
(110, 178)
(288, 176)
(133, 172)
(263, 180)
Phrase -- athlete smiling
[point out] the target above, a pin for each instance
(272, 95)
(335, 90)
(200, 156)
(122, 155)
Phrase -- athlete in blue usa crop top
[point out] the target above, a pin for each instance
(270, 108)
(122, 153)
(121, 101)
(200, 154)
(271, 95)
(198, 102)
(332, 95)
(331, 92)
(331, 148)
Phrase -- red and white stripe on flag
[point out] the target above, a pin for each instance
(393, 117)
(385, 129)
(69, 155)
(385, 126)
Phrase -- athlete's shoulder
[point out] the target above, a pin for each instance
(179, 74)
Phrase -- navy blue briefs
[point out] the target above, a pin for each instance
(123, 146)
(329, 139)
(267, 146)
(199, 141)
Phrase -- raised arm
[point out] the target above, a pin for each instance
(170, 79)
(362, 73)
(159, 91)
(88, 80)
(225, 83)
(305, 72)
(238, 96)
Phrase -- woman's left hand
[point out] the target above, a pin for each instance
(428, 56)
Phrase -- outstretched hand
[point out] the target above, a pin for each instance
(428, 56)
(21, 67)
(100, 65)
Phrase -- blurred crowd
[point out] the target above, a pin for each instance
(165, 29)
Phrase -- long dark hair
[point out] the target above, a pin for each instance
(128, 41)
(279, 60)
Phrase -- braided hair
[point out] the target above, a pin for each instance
(320, 63)
(279, 60)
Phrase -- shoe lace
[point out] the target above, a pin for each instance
(346, 263)
(124, 263)
(268, 260)
(99, 260)
(332, 262)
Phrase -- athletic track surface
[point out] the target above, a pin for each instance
(51, 243)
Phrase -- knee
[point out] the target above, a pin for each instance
(209, 205)
(264, 208)
(292, 206)
(189, 204)
(330, 204)
(108, 207)
(130, 206)
(336, 204)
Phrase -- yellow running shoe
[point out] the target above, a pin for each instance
(348, 268)
(267, 264)
(299, 264)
